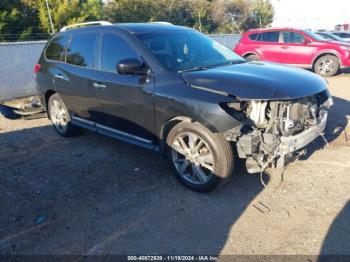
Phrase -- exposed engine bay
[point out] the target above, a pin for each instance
(276, 132)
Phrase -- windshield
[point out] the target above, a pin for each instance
(314, 35)
(186, 50)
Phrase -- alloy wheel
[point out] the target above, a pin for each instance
(193, 158)
(58, 116)
(326, 66)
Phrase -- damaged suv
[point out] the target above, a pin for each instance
(174, 90)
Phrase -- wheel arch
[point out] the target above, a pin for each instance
(47, 96)
(167, 126)
(246, 54)
(324, 53)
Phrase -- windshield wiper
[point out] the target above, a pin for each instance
(233, 62)
(196, 68)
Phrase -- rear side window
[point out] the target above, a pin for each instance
(80, 51)
(255, 37)
(113, 50)
(293, 38)
(56, 48)
(270, 37)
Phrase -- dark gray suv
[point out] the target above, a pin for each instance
(174, 90)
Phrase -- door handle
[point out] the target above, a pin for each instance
(99, 86)
(59, 76)
(285, 47)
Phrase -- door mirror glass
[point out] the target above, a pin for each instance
(130, 66)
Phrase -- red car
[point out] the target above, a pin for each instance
(300, 48)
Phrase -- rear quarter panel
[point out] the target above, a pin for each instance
(44, 79)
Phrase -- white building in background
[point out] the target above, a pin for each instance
(311, 14)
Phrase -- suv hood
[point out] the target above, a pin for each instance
(258, 81)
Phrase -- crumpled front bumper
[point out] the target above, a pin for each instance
(292, 144)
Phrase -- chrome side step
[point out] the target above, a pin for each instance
(114, 133)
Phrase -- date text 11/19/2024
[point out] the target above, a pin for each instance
(172, 258)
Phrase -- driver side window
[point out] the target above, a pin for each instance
(113, 50)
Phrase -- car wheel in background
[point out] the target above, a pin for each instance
(59, 116)
(327, 66)
(252, 57)
(202, 160)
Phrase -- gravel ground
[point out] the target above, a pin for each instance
(93, 195)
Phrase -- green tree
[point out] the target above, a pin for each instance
(66, 12)
(123, 11)
(19, 21)
(192, 13)
(262, 15)
(28, 19)
(236, 16)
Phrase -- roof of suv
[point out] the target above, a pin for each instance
(150, 27)
(273, 29)
(135, 28)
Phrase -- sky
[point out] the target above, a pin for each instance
(312, 14)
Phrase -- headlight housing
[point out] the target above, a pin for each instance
(329, 103)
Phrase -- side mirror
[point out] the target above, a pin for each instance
(307, 42)
(130, 66)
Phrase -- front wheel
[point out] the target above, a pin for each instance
(201, 160)
(327, 66)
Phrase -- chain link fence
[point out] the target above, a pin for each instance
(229, 41)
(17, 62)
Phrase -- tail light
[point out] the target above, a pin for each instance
(37, 68)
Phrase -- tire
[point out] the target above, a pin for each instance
(327, 66)
(60, 117)
(203, 164)
(252, 57)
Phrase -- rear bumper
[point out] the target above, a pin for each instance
(292, 144)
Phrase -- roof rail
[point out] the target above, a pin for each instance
(161, 22)
(85, 24)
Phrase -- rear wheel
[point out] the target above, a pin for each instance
(202, 160)
(252, 57)
(327, 66)
(60, 117)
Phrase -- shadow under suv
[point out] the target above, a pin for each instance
(174, 90)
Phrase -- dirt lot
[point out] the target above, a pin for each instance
(93, 195)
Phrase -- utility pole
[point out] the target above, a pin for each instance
(48, 11)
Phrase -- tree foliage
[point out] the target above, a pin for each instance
(66, 12)
(19, 20)
(223, 16)
(241, 15)
(28, 19)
